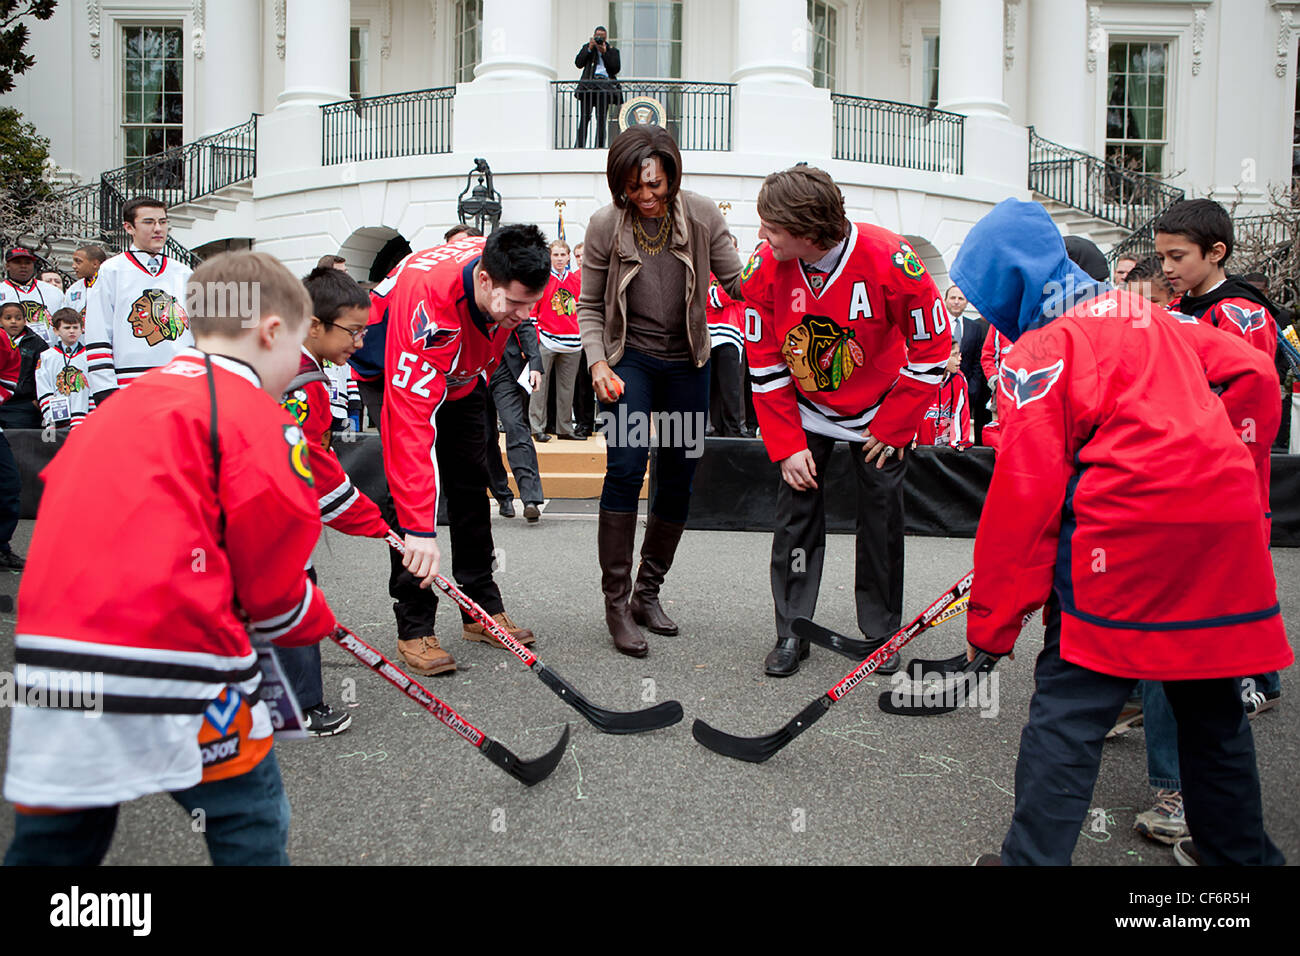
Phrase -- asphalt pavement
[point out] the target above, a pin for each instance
(860, 787)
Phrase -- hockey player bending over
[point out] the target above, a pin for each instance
(204, 497)
(1112, 443)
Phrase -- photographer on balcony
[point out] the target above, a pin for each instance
(598, 87)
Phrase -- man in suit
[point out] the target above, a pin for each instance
(598, 87)
(969, 334)
(511, 403)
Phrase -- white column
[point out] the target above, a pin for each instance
(315, 73)
(1057, 53)
(315, 52)
(508, 106)
(773, 80)
(231, 87)
(970, 57)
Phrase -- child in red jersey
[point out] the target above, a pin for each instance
(204, 508)
(947, 421)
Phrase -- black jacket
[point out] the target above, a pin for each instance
(973, 332)
(30, 347)
(521, 350)
(589, 84)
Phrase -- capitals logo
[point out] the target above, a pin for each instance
(157, 317)
(1025, 386)
(427, 334)
(1248, 320)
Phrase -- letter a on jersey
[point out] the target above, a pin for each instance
(1025, 386)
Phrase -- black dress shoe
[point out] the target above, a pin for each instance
(783, 660)
(541, 436)
(507, 508)
(574, 437)
(892, 663)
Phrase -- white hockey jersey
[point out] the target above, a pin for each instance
(62, 386)
(40, 301)
(78, 294)
(342, 389)
(135, 320)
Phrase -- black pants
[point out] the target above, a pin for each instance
(799, 544)
(461, 451)
(11, 486)
(510, 401)
(1060, 753)
(726, 392)
(584, 400)
(588, 103)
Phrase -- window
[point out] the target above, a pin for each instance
(821, 43)
(648, 35)
(152, 111)
(1136, 135)
(469, 46)
(930, 71)
(358, 39)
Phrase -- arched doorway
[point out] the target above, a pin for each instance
(372, 252)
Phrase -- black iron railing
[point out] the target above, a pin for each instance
(379, 127)
(1098, 187)
(897, 134)
(697, 114)
(185, 173)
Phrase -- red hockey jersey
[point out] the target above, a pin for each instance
(1237, 316)
(437, 347)
(11, 366)
(556, 313)
(868, 351)
(1112, 445)
(167, 563)
(725, 316)
(342, 506)
(947, 421)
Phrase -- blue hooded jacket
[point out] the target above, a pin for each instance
(1013, 268)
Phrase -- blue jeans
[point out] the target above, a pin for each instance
(1162, 736)
(680, 391)
(301, 666)
(246, 821)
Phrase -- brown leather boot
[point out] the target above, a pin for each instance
(425, 656)
(615, 537)
(661, 539)
(474, 631)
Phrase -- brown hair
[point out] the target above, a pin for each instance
(560, 242)
(329, 262)
(66, 317)
(631, 148)
(805, 202)
(225, 291)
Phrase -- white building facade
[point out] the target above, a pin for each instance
(370, 113)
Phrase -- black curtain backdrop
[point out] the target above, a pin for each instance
(735, 485)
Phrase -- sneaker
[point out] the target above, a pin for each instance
(988, 859)
(1257, 701)
(475, 631)
(532, 513)
(11, 561)
(1129, 717)
(1186, 854)
(324, 721)
(1165, 822)
(425, 656)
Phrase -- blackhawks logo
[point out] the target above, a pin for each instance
(907, 260)
(751, 267)
(820, 354)
(157, 317)
(296, 405)
(563, 303)
(69, 379)
(297, 442)
(34, 312)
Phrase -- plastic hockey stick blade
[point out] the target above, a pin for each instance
(527, 772)
(758, 749)
(832, 640)
(954, 693)
(663, 714)
(920, 667)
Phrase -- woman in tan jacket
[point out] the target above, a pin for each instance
(645, 283)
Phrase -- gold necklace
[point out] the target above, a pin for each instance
(652, 245)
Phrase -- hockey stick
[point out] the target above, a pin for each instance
(663, 714)
(857, 649)
(954, 692)
(527, 772)
(758, 749)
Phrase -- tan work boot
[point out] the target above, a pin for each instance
(474, 631)
(425, 656)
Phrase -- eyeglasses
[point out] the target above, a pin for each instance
(358, 335)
